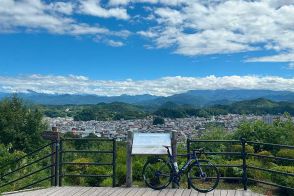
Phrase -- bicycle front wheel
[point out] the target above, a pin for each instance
(204, 181)
(157, 173)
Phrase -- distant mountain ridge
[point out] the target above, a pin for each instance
(212, 97)
(197, 98)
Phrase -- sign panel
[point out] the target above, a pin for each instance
(150, 143)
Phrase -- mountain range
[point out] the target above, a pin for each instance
(199, 98)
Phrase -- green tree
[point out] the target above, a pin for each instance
(20, 125)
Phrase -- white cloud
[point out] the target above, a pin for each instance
(56, 18)
(284, 57)
(163, 86)
(93, 7)
(62, 7)
(114, 43)
(189, 27)
(224, 26)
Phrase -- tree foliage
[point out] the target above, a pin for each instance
(20, 125)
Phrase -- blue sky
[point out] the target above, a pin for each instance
(121, 44)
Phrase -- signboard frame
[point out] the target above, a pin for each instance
(150, 143)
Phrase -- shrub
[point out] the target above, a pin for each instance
(137, 170)
(265, 161)
(238, 148)
(96, 170)
(106, 182)
(283, 179)
(237, 171)
(286, 153)
(77, 169)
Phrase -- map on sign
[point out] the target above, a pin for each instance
(150, 143)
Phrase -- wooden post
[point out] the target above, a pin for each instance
(129, 177)
(174, 148)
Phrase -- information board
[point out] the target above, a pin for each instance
(150, 143)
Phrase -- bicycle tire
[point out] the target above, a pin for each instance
(212, 174)
(152, 178)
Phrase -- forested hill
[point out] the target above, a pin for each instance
(118, 110)
(101, 111)
(257, 106)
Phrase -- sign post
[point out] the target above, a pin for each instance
(129, 174)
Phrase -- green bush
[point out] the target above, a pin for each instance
(238, 148)
(251, 173)
(77, 169)
(265, 161)
(231, 171)
(286, 153)
(96, 170)
(137, 170)
(106, 182)
(283, 179)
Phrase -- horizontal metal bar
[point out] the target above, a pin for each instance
(88, 151)
(271, 184)
(270, 144)
(86, 175)
(215, 141)
(90, 163)
(37, 182)
(270, 170)
(25, 176)
(47, 156)
(88, 139)
(220, 165)
(230, 178)
(222, 153)
(270, 157)
(213, 153)
(182, 155)
(29, 154)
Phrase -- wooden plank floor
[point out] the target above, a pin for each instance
(119, 191)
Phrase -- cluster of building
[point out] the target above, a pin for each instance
(185, 127)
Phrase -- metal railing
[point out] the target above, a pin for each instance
(244, 156)
(55, 164)
(22, 167)
(62, 173)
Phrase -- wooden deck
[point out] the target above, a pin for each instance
(119, 191)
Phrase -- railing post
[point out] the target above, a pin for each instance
(56, 175)
(244, 166)
(114, 163)
(188, 157)
(174, 149)
(129, 177)
(60, 162)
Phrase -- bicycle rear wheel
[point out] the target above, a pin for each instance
(206, 182)
(157, 173)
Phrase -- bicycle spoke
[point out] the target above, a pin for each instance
(204, 179)
(166, 175)
(156, 173)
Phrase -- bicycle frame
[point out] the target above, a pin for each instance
(193, 160)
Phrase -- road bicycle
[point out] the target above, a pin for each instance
(202, 175)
